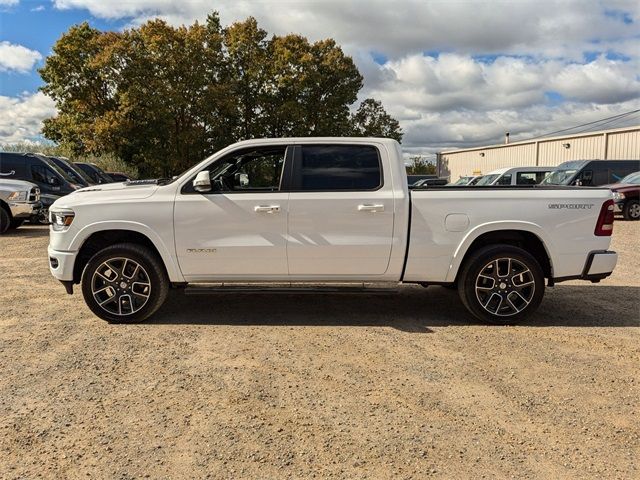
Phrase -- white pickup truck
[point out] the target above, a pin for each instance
(318, 212)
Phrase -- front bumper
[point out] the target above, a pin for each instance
(61, 264)
(23, 209)
(599, 265)
(618, 206)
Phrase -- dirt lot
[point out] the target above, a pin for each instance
(317, 386)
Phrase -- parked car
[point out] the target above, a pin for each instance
(429, 182)
(515, 176)
(413, 179)
(467, 180)
(626, 194)
(119, 176)
(95, 172)
(72, 170)
(52, 181)
(326, 211)
(19, 200)
(591, 173)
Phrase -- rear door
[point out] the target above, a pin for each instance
(340, 213)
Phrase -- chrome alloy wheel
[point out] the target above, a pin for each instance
(120, 286)
(505, 287)
(634, 211)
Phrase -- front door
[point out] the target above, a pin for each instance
(340, 213)
(238, 230)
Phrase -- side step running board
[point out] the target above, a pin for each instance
(208, 289)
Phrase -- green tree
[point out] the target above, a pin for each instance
(372, 120)
(162, 98)
(420, 166)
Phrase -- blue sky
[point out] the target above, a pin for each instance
(454, 73)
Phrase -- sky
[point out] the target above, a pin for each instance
(455, 73)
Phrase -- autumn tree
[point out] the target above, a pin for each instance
(372, 120)
(162, 98)
(420, 166)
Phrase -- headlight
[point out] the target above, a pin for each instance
(61, 220)
(18, 197)
(618, 196)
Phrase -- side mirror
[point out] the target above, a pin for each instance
(202, 182)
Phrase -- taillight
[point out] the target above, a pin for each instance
(604, 227)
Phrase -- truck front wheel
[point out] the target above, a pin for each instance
(124, 283)
(501, 284)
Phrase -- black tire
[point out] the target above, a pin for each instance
(631, 210)
(5, 220)
(502, 302)
(122, 258)
(16, 222)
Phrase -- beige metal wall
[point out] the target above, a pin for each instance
(607, 144)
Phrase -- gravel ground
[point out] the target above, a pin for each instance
(318, 386)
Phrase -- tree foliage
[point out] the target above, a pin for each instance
(420, 166)
(162, 98)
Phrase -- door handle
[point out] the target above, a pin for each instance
(266, 208)
(371, 208)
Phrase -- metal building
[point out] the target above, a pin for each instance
(616, 144)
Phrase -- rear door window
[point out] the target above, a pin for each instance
(504, 180)
(526, 178)
(336, 168)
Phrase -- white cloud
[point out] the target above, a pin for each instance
(8, 3)
(498, 60)
(21, 117)
(455, 100)
(551, 28)
(17, 58)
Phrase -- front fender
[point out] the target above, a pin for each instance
(476, 232)
(168, 258)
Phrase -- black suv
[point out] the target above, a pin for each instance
(51, 179)
(591, 173)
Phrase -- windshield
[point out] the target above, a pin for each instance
(77, 176)
(462, 181)
(57, 169)
(475, 181)
(559, 177)
(488, 179)
(632, 178)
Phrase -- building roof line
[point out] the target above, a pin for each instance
(542, 140)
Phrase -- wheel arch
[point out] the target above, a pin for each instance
(96, 237)
(525, 235)
(5, 206)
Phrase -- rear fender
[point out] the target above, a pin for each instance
(476, 232)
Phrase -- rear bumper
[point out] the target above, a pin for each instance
(599, 265)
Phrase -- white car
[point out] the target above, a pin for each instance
(19, 200)
(515, 176)
(323, 211)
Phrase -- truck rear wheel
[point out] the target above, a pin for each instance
(124, 283)
(501, 284)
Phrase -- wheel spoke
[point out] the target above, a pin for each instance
(127, 293)
(505, 286)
